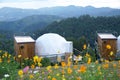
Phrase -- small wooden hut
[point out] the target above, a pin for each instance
(24, 46)
(107, 45)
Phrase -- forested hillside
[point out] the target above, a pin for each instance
(29, 24)
(86, 26)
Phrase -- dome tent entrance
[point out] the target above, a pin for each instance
(50, 44)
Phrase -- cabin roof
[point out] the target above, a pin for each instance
(23, 39)
(106, 36)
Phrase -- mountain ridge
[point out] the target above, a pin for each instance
(12, 14)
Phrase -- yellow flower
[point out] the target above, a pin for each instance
(84, 46)
(106, 61)
(63, 64)
(108, 46)
(69, 70)
(0, 60)
(96, 62)
(9, 56)
(48, 67)
(100, 72)
(49, 77)
(14, 57)
(57, 74)
(98, 68)
(87, 55)
(63, 79)
(89, 60)
(26, 58)
(39, 59)
(56, 66)
(5, 54)
(19, 56)
(111, 53)
(35, 58)
(53, 78)
(20, 72)
(8, 60)
(31, 76)
(39, 64)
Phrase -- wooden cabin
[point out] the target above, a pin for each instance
(107, 45)
(24, 46)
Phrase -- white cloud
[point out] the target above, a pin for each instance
(51, 3)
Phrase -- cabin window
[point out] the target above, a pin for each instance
(21, 46)
(104, 42)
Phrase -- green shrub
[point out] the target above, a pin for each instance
(45, 62)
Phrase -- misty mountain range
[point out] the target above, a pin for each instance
(12, 14)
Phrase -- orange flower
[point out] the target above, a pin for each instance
(75, 66)
(82, 68)
(63, 72)
(69, 70)
(53, 78)
(114, 65)
(32, 66)
(63, 64)
(108, 46)
(78, 78)
(105, 66)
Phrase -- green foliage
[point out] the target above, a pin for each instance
(7, 65)
(45, 62)
(26, 62)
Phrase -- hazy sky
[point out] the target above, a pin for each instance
(50, 3)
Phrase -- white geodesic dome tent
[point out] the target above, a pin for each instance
(118, 43)
(51, 43)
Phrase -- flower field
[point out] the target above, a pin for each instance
(31, 69)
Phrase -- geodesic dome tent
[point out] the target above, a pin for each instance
(118, 43)
(51, 43)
